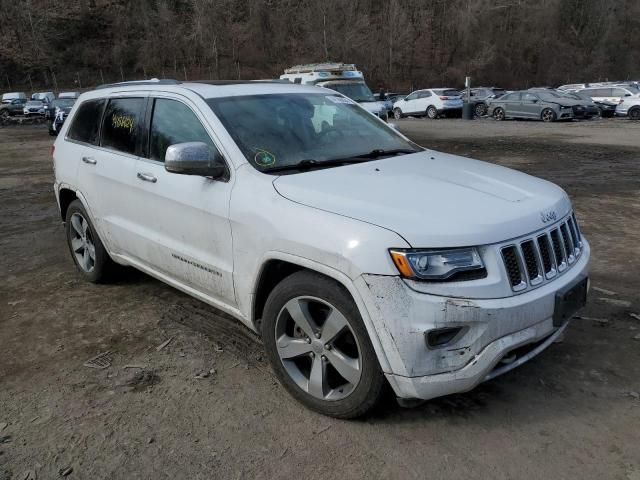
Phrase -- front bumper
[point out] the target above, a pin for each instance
(491, 329)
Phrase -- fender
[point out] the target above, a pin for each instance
(339, 277)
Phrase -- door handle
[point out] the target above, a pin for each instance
(147, 177)
(89, 160)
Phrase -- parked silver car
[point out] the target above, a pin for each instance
(545, 105)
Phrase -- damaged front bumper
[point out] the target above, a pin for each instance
(495, 335)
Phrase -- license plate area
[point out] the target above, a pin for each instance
(569, 300)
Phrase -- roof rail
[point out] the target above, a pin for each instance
(135, 83)
(236, 82)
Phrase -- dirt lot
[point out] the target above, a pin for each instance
(573, 412)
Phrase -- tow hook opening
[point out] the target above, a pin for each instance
(441, 337)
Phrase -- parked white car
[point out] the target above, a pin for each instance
(629, 107)
(610, 93)
(361, 258)
(430, 103)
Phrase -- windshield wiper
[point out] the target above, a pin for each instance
(309, 164)
(378, 152)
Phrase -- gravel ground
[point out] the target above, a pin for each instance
(206, 405)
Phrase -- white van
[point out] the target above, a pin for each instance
(344, 78)
(8, 97)
(46, 97)
(361, 258)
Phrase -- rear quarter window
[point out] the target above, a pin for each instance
(86, 122)
(122, 124)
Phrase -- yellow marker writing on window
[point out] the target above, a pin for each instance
(124, 122)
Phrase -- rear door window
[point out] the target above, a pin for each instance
(121, 127)
(173, 122)
(86, 122)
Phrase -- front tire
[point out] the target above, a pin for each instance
(548, 115)
(498, 114)
(432, 112)
(634, 113)
(88, 252)
(397, 113)
(319, 348)
(480, 110)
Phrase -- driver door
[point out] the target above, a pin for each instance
(182, 221)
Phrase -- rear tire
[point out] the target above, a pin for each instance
(634, 113)
(319, 347)
(88, 252)
(432, 112)
(548, 115)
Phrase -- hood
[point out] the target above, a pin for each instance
(373, 107)
(567, 102)
(431, 199)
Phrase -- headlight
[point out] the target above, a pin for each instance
(437, 264)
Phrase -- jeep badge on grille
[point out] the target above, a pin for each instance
(548, 216)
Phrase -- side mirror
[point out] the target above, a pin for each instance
(194, 158)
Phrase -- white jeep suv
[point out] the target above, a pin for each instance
(361, 258)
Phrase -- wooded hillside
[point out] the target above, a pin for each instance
(397, 43)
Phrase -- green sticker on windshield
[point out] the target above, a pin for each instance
(264, 158)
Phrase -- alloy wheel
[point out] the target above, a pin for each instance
(397, 113)
(82, 244)
(481, 109)
(498, 114)
(318, 348)
(547, 115)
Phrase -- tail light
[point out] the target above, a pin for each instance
(52, 150)
(444, 98)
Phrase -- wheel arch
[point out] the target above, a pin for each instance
(277, 266)
(65, 197)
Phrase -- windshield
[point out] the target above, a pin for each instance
(280, 130)
(357, 92)
(34, 103)
(549, 95)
